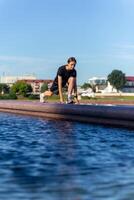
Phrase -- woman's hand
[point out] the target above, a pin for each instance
(76, 100)
(61, 100)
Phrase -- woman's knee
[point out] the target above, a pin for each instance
(48, 93)
(71, 80)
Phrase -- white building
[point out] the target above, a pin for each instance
(97, 81)
(10, 80)
(103, 86)
(109, 89)
(128, 88)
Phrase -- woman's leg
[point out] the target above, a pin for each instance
(71, 87)
(48, 93)
(45, 94)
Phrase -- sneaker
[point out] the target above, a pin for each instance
(42, 98)
(69, 102)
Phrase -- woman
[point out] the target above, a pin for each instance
(66, 76)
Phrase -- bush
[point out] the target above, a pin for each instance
(12, 95)
(85, 86)
(33, 97)
(8, 96)
(21, 88)
(4, 88)
(44, 87)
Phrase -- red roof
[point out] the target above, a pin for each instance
(37, 81)
(130, 78)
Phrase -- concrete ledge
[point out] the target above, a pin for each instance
(122, 116)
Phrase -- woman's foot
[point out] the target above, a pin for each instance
(42, 98)
(70, 100)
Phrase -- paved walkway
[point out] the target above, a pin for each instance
(99, 114)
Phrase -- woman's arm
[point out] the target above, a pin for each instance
(75, 92)
(60, 88)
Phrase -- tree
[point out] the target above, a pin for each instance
(4, 88)
(44, 87)
(21, 88)
(86, 86)
(117, 79)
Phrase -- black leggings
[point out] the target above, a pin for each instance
(54, 88)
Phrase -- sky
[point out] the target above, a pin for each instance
(39, 36)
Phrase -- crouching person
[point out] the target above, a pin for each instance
(66, 76)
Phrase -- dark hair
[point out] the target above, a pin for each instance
(71, 59)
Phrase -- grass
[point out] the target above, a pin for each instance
(109, 99)
(55, 98)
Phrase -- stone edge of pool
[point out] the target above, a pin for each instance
(121, 116)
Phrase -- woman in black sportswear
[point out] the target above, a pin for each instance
(66, 76)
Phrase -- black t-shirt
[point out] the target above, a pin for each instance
(65, 74)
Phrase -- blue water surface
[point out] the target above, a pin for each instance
(43, 159)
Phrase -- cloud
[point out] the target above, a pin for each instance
(125, 56)
(21, 59)
(16, 65)
(25, 62)
(17, 60)
(123, 51)
(124, 46)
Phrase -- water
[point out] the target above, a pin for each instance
(58, 160)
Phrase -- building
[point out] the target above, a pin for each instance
(29, 79)
(103, 86)
(129, 86)
(10, 80)
(97, 81)
(37, 84)
(109, 89)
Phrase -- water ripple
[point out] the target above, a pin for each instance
(58, 160)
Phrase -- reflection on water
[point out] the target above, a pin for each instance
(58, 160)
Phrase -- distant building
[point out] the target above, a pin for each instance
(109, 89)
(129, 86)
(10, 80)
(103, 86)
(29, 79)
(97, 81)
(37, 84)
